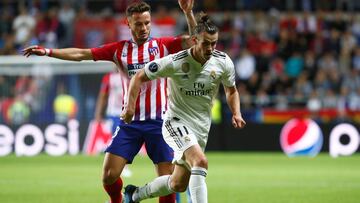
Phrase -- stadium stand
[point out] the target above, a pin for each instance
(291, 57)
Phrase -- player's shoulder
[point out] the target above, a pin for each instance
(119, 43)
(180, 55)
(222, 59)
(219, 54)
(162, 39)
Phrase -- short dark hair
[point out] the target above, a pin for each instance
(137, 7)
(205, 25)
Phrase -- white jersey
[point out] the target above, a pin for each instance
(192, 86)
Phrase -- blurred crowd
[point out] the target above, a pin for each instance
(287, 53)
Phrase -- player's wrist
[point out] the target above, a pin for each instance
(48, 52)
(188, 12)
(237, 115)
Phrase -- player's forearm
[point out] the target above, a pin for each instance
(72, 54)
(134, 89)
(233, 100)
(191, 21)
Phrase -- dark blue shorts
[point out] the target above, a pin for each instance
(128, 139)
(115, 122)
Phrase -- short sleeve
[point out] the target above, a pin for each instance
(159, 68)
(228, 78)
(173, 44)
(105, 84)
(105, 52)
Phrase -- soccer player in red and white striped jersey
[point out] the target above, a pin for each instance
(131, 56)
(111, 97)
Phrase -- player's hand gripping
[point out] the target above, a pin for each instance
(186, 5)
(36, 50)
(127, 115)
(238, 121)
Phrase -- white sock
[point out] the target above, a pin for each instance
(197, 185)
(158, 187)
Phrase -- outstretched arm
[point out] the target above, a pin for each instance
(134, 87)
(187, 6)
(233, 100)
(71, 54)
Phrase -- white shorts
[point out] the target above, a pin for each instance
(179, 137)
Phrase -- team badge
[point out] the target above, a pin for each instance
(185, 67)
(153, 51)
(187, 139)
(213, 75)
(153, 67)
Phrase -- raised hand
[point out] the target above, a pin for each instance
(186, 5)
(37, 50)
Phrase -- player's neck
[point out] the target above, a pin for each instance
(197, 56)
(139, 41)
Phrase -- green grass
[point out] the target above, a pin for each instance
(232, 177)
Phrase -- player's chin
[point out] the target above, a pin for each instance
(144, 36)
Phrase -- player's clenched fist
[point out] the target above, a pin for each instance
(238, 121)
(37, 50)
(186, 5)
(127, 115)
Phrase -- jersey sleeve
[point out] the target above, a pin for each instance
(105, 84)
(228, 78)
(105, 52)
(173, 44)
(159, 68)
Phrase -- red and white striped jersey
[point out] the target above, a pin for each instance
(112, 84)
(130, 58)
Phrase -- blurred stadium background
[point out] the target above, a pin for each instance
(293, 59)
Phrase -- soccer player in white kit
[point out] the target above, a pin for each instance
(194, 76)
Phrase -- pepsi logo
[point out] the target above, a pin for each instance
(301, 137)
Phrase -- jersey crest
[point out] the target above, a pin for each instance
(153, 51)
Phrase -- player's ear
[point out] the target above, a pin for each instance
(127, 21)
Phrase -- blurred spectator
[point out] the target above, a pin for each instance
(9, 46)
(314, 102)
(354, 100)
(66, 17)
(352, 81)
(321, 83)
(6, 20)
(49, 28)
(356, 60)
(294, 65)
(306, 23)
(281, 101)
(23, 25)
(262, 99)
(120, 5)
(18, 112)
(330, 100)
(65, 105)
(246, 100)
(328, 63)
(303, 85)
(245, 65)
(284, 51)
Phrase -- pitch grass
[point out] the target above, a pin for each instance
(232, 177)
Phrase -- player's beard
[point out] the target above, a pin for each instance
(140, 38)
(143, 37)
(206, 55)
